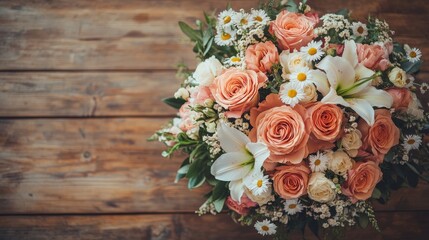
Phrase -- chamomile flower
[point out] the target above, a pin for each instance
(359, 29)
(313, 51)
(225, 37)
(291, 93)
(265, 227)
(293, 206)
(259, 16)
(413, 54)
(423, 88)
(302, 76)
(318, 162)
(225, 17)
(412, 142)
(257, 183)
(234, 61)
(410, 81)
(243, 20)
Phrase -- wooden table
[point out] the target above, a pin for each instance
(80, 89)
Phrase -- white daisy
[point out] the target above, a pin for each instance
(291, 93)
(257, 183)
(293, 206)
(265, 227)
(359, 29)
(413, 54)
(423, 88)
(225, 37)
(234, 61)
(410, 81)
(318, 162)
(225, 17)
(412, 142)
(313, 51)
(259, 16)
(243, 20)
(303, 76)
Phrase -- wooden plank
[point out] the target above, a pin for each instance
(104, 166)
(398, 225)
(141, 34)
(83, 94)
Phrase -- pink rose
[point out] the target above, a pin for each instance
(284, 132)
(237, 90)
(261, 57)
(186, 115)
(374, 57)
(242, 208)
(293, 30)
(361, 180)
(378, 138)
(401, 98)
(291, 181)
(326, 121)
(200, 94)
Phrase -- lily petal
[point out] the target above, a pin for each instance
(231, 139)
(350, 53)
(237, 190)
(363, 109)
(321, 81)
(232, 166)
(339, 71)
(333, 98)
(361, 73)
(260, 153)
(376, 97)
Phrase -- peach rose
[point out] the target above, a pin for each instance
(361, 180)
(200, 94)
(375, 57)
(380, 137)
(237, 90)
(326, 121)
(401, 98)
(186, 115)
(242, 208)
(291, 181)
(261, 57)
(284, 132)
(292, 30)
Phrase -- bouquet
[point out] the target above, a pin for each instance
(297, 120)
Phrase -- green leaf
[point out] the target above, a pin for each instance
(219, 204)
(220, 191)
(208, 47)
(292, 6)
(376, 194)
(344, 12)
(194, 35)
(417, 172)
(410, 67)
(174, 102)
(363, 221)
(196, 181)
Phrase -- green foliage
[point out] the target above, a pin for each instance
(174, 102)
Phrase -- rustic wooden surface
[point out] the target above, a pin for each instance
(80, 89)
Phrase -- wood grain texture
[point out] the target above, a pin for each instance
(104, 166)
(184, 226)
(144, 34)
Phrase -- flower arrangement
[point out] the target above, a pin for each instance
(296, 119)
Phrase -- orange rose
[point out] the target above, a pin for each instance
(242, 208)
(237, 90)
(361, 180)
(401, 98)
(326, 121)
(291, 181)
(261, 57)
(380, 137)
(292, 30)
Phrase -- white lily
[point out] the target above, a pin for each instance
(241, 158)
(350, 84)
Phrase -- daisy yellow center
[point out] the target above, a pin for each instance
(244, 21)
(312, 51)
(292, 206)
(292, 93)
(235, 59)
(317, 162)
(301, 77)
(424, 87)
(258, 18)
(226, 19)
(411, 141)
(265, 228)
(413, 54)
(259, 183)
(360, 29)
(225, 36)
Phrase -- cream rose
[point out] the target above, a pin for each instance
(320, 188)
(292, 61)
(206, 71)
(339, 162)
(310, 93)
(351, 142)
(262, 199)
(398, 77)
